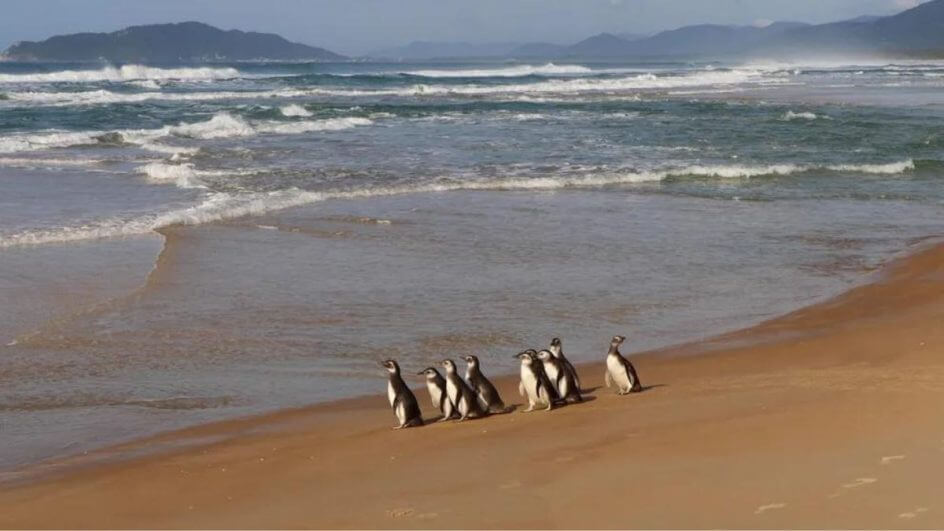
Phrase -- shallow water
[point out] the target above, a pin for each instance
(182, 245)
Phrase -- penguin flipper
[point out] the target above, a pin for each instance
(521, 390)
(607, 379)
(631, 376)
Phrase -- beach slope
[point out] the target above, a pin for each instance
(829, 417)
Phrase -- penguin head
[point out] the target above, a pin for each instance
(449, 365)
(472, 360)
(429, 372)
(544, 355)
(391, 366)
(556, 342)
(618, 340)
(526, 357)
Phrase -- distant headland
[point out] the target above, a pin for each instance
(184, 42)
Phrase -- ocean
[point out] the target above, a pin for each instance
(183, 244)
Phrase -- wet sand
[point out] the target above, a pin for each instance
(829, 417)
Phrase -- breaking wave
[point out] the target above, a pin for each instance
(550, 69)
(579, 85)
(219, 206)
(220, 125)
(804, 115)
(294, 110)
(104, 97)
(182, 175)
(123, 74)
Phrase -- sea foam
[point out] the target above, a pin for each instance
(577, 85)
(294, 110)
(219, 206)
(549, 69)
(123, 74)
(804, 115)
(220, 125)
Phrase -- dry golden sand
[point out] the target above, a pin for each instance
(832, 416)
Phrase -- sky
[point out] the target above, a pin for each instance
(355, 27)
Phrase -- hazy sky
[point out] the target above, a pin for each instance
(358, 26)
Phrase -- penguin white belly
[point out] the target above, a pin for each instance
(435, 394)
(391, 394)
(552, 374)
(401, 413)
(617, 372)
(530, 384)
(452, 392)
(563, 390)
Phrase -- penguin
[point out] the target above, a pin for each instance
(560, 377)
(557, 349)
(436, 385)
(401, 398)
(462, 397)
(619, 370)
(488, 396)
(534, 383)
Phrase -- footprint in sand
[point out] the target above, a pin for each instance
(769, 507)
(859, 482)
(913, 514)
(400, 512)
(891, 458)
(513, 484)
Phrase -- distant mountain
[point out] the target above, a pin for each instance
(863, 19)
(602, 45)
(709, 39)
(424, 50)
(917, 31)
(168, 43)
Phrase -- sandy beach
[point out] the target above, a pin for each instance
(829, 417)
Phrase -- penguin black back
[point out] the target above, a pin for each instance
(542, 377)
(557, 349)
(401, 397)
(461, 395)
(488, 396)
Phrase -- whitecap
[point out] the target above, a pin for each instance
(294, 110)
(803, 115)
(549, 69)
(122, 74)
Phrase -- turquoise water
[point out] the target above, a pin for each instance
(321, 217)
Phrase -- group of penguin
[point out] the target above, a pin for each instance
(547, 379)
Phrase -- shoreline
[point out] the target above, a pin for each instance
(155, 443)
(160, 274)
(794, 371)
